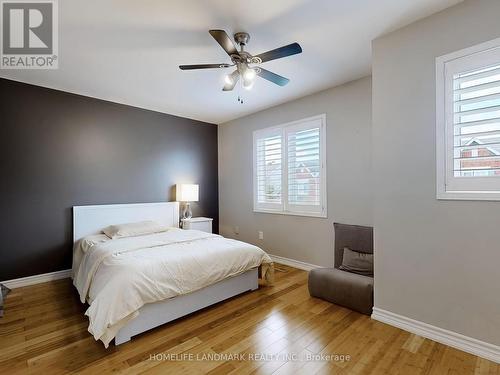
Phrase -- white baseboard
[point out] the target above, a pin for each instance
(293, 263)
(443, 336)
(36, 279)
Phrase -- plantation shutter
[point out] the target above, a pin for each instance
(476, 110)
(305, 167)
(473, 122)
(268, 169)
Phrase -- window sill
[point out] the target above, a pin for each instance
(288, 213)
(469, 195)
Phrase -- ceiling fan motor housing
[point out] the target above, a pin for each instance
(242, 38)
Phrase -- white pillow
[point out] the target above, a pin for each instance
(134, 229)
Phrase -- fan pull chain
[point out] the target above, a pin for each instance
(240, 97)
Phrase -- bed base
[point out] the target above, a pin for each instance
(155, 314)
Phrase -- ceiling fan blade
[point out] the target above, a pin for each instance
(203, 66)
(278, 53)
(273, 77)
(225, 42)
(235, 76)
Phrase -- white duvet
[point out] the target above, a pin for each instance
(117, 277)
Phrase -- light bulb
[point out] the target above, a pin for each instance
(249, 75)
(228, 79)
(247, 84)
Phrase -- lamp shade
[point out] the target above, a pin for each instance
(186, 192)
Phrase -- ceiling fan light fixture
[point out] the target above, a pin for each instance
(228, 79)
(247, 84)
(249, 75)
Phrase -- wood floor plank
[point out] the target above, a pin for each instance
(268, 331)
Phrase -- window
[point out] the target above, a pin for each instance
(468, 123)
(289, 168)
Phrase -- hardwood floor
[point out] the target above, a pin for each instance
(44, 331)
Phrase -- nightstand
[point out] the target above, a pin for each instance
(199, 223)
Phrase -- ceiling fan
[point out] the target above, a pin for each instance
(247, 65)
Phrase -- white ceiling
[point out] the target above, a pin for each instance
(128, 51)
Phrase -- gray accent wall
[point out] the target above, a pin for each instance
(435, 261)
(306, 239)
(60, 150)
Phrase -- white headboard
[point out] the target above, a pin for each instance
(89, 220)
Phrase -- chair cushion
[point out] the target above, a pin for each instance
(342, 288)
(357, 262)
(354, 237)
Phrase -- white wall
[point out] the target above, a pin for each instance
(348, 116)
(436, 261)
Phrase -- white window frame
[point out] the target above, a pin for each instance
(449, 186)
(285, 208)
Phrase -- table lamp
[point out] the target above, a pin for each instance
(186, 193)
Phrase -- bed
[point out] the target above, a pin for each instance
(137, 283)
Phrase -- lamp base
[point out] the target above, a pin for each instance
(186, 211)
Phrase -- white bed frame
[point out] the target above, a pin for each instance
(89, 220)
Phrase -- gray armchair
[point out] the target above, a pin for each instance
(341, 287)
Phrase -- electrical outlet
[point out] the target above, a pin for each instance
(236, 230)
(261, 235)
